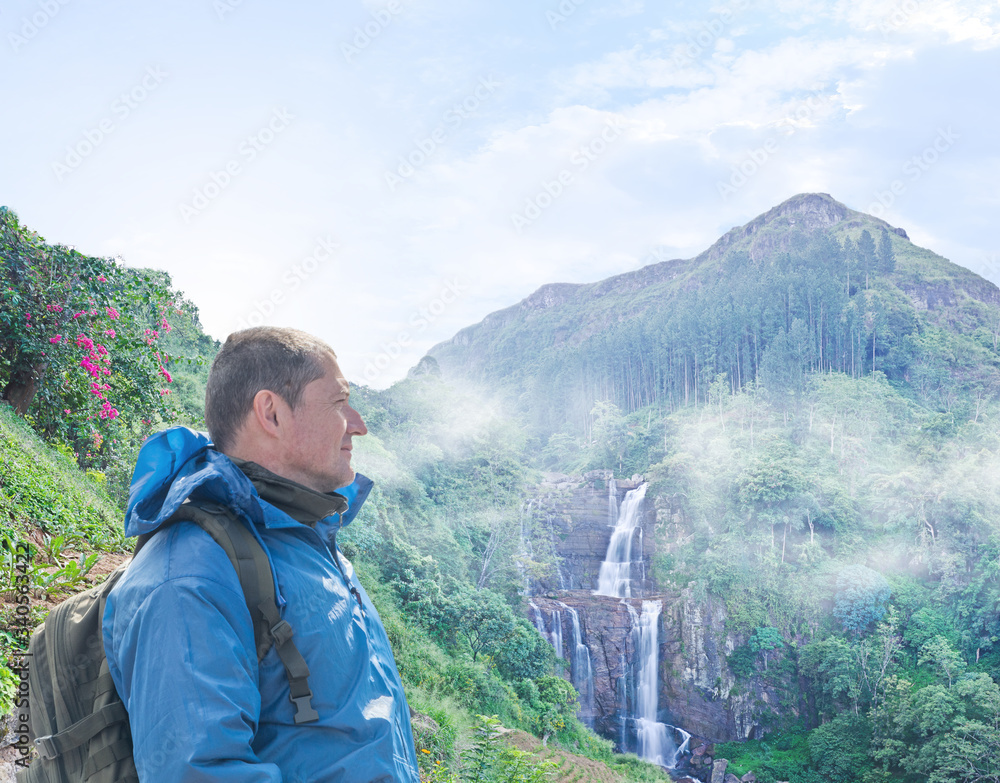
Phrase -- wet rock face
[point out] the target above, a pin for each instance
(607, 632)
(569, 519)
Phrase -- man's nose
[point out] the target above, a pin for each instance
(355, 424)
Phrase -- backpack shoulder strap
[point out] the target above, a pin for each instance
(254, 572)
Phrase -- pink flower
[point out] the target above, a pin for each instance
(55, 339)
(101, 350)
(102, 278)
(82, 341)
(112, 313)
(27, 316)
(110, 333)
(90, 367)
(66, 411)
(106, 370)
(164, 392)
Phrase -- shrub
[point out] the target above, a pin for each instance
(861, 598)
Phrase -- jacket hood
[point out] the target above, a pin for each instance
(179, 463)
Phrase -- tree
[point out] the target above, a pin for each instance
(939, 653)
(559, 704)
(771, 490)
(861, 598)
(943, 734)
(886, 258)
(524, 654)
(841, 747)
(866, 253)
(609, 436)
(79, 343)
(485, 620)
(833, 668)
(764, 640)
(876, 661)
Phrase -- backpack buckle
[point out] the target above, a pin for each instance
(47, 748)
(282, 632)
(304, 712)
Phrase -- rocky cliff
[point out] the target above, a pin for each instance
(570, 528)
(697, 691)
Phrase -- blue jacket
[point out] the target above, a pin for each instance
(180, 644)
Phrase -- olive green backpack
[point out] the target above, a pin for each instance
(77, 721)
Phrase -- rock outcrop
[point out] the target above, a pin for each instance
(697, 690)
(570, 520)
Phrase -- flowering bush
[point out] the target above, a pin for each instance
(106, 385)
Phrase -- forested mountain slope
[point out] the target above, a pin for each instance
(813, 404)
(809, 286)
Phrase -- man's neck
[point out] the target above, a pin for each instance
(300, 502)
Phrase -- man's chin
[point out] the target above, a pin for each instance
(346, 483)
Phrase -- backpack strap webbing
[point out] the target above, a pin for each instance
(254, 572)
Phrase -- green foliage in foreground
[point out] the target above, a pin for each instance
(40, 487)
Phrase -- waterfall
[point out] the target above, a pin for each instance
(556, 636)
(612, 503)
(615, 577)
(654, 742)
(537, 619)
(682, 748)
(527, 553)
(582, 673)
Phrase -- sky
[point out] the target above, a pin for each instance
(384, 173)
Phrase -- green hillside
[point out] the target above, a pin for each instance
(432, 544)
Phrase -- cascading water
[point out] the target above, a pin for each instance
(556, 637)
(616, 570)
(536, 618)
(582, 673)
(682, 748)
(637, 687)
(527, 554)
(654, 743)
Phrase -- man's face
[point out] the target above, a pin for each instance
(318, 440)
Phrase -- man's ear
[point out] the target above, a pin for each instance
(269, 412)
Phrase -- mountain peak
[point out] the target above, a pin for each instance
(805, 213)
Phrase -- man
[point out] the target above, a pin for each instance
(177, 631)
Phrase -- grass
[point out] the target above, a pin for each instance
(41, 489)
